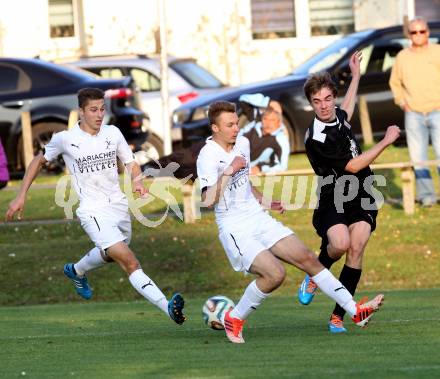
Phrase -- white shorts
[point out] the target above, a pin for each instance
(106, 226)
(244, 242)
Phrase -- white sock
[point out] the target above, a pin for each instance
(249, 302)
(148, 289)
(333, 288)
(90, 261)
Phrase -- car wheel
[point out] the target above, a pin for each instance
(41, 135)
(151, 149)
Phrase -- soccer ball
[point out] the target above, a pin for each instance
(214, 311)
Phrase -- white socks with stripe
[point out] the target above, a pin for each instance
(333, 288)
(148, 289)
(249, 302)
(92, 260)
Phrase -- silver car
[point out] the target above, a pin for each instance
(187, 80)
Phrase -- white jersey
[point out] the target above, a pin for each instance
(238, 204)
(91, 160)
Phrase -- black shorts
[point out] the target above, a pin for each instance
(324, 219)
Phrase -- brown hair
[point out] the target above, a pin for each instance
(217, 108)
(316, 82)
(86, 94)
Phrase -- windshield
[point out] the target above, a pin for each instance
(330, 55)
(196, 75)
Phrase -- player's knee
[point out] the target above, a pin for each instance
(356, 249)
(132, 265)
(341, 244)
(278, 275)
(354, 256)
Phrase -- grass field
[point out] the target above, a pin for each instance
(46, 331)
(283, 340)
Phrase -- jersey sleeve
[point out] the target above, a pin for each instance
(123, 151)
(207, 169)
(55, 147)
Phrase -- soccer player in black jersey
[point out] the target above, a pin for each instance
(346, 212)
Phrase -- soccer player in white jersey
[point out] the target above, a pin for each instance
(254, 241)
(90, 150)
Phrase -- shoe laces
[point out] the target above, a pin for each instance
(237, 325)
(363, 310)
(311, 286)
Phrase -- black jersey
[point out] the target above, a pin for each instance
(330, 146)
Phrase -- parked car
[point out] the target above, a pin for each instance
(186, 78)
(48, 91)
(379, 48)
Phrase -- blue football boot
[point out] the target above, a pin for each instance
(81, 285)
(307, 290)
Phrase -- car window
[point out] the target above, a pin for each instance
(327, 57)
(146, 81)
(379, 56)
(110, 73)
(13, 79)
(196, 75)
(48, 76)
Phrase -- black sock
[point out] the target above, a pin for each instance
(349, 278)
(324, 258)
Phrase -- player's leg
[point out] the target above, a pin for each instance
(247, 254)
(124, 256)
(434, 127)
(351, 271)
(417, 138)
(270, 274)
(333, 246)
(94, 259)
(292, 250)
(335, 243)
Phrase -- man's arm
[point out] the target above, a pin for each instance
(136, 178)
(274, 205)
(17, 205)
(350, 97)
(212, 194)
(366, 158)
(396, 85)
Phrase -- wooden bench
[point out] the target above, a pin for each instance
(406, 174)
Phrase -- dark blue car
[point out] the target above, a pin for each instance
(48, 91)
(379, 48)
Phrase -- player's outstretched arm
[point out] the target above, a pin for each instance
(366, 158)
(350, 98)
(17, 205)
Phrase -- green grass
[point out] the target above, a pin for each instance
(283, 340)
(117, 336)
(402, 253)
